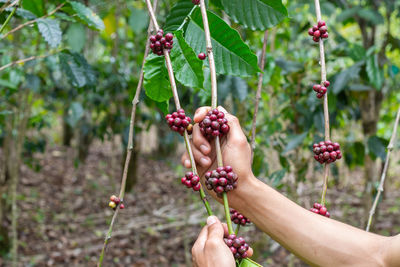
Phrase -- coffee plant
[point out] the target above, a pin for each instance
(84, 63)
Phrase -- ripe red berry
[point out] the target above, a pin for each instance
(214, 124)
(327, 152)
(179, 122)
(196, 2)
(323, 29)
(221, 180)
(327, 83)
(238, 218)
(169, 36)
(325, 35)
(323, 211)
(321, 23)
(122, 206)
(315, 28)
(316, 39)
(311, 32)
(237, 245)
(202, 56)
(317, 34)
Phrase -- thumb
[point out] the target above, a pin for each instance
(215, 228)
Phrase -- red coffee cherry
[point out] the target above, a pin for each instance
(319, 31)
(321, 210)
(159, 42)
(179, 122)
(237, 245)
(238, 218)
(214, 124)
(202, 56)
(196, 2)
(191, 181)
(223, 179)
(327, 152)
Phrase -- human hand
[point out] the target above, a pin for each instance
(210, 249)
(236, 151)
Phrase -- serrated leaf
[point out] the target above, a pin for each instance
(232, 56)
(34, 6)
(78, 71)
(375, 73)
(156, 82)
(255, 14)
(87, 15)
(50, 30)
(177, 15)
(188, 67)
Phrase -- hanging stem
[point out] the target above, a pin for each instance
(8, 18)
(385, 169)
(258, 96)
(32, 21)
(326, 110)
(178, 106)
(214, 94)
(135, 101)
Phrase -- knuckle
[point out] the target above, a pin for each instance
(212, 244)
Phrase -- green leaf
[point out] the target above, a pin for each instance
(76, 37)
(377, 147)
(236, 86)
(50, 30)
(138, 20)
(75, 114)
(187, 66)
(232, 55)
(87, 16)
(249, 263)
(256, 14)
(177, 15)
(35, 6)
(163, 106)
(78, 71)
(156, 82)
(343, 78)
(294, 142)
(375, 73)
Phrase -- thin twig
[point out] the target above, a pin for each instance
(178, 106)
(5, 6)
(258, 96)
(8, 18)
(385, 169)
(32, 21)
(135, 101)
(214, 98)
(20, 61)
(326, 110)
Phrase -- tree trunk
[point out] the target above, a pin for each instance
(370, 105)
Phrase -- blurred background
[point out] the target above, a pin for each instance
(64, 118)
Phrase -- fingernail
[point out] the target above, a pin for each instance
(204, 161)
(204, 149)
(211, 220)
(187, 163)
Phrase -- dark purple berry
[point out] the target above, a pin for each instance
(202, 56)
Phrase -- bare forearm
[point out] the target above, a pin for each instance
(317, 240)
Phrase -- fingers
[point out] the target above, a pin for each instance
(200, 158)
(250, 252)
(235, 134)
(186, 161)
(200, 141)
(200, 114)
(215, 228)
(201, 241)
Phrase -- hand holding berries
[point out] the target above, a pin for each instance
(214, 124)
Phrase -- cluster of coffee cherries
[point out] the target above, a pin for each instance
(327, 152)
(191, 181)
(321, 89)
(179, 122)
(114, 201)
(159, 42)
(196, 2)
(237, 245)
(223, 179)
(214, 124)
(238, 218)
(321, 210)
(319, 31)
(202, 56)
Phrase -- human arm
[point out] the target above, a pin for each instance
(317, 240)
